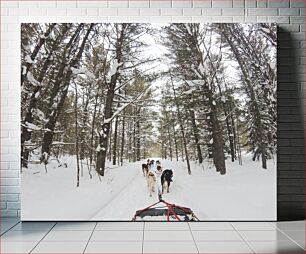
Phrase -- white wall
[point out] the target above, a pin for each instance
(288, 13)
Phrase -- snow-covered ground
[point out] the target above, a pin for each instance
(246, 192)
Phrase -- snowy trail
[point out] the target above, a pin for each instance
(109, 205)
(235, 196)
(136, 194)
(245, 193)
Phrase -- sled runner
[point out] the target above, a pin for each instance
(172, 211)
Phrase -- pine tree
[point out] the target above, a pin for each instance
(259, 79)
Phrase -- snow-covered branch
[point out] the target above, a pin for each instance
(127, 104)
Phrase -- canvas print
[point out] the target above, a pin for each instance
(146, 122)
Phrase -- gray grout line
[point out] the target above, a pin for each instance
(290, 238)
(90, 237)
(143, 233)
(247, 243)
(42, 238)
(193, 238)
(10, 228)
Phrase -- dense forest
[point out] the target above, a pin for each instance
(126, 92)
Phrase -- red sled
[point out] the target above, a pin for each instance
(171, 211)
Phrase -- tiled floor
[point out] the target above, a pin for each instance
(152, 237)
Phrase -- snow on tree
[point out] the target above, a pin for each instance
(249, 47)
(89, 87)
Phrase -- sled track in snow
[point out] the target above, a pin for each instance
(111, 199)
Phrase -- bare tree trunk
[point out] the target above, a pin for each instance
(110, 142)
(182, 149)
(115, 141)
(101, 151)
(122, 139)
(93, 130)
(218, 146)
(145, 149)
(84, 121)
(185, 149)
(182, 128)
(134, 140)
(162, 149)
(130, 154)
(170, 142)
(237, 139)
(175, 141)
(138, 135)
(77, 135)
(263, 157)
(232, 120)
(231, 139)
(196, 136)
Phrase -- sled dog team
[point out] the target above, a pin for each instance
(161, 178)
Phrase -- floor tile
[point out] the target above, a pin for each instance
(99, 236)
(211, 226)
(17, 247)
(119, 226)
(23, 236)
(33, 226)
(276, 247)
(273, 235)
(167, 236)
(301, 243)
(220, 236)
(297, 236)
(5, 228)
(7, 225)
(253, 226)
(60, 247)
(114, 247)
(69, 236)
(166, 226)
(63, 226)
(290, 225)
(169, 247)
(223, 247)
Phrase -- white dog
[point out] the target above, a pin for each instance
(151, 182)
